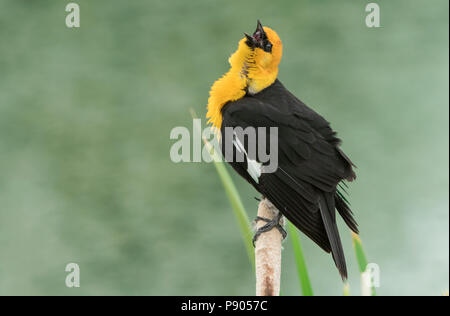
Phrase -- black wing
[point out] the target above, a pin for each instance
(310, 164)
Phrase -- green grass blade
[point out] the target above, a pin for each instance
(233, 196)
(238, 209)
(361, 256)
(303, 276)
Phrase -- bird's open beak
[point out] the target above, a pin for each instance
(256, 40)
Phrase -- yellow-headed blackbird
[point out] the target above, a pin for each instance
(310, 167)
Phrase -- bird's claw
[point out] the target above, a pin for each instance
(271, 223)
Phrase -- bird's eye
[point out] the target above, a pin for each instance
(268, 47)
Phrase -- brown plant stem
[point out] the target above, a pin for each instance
(268, 254)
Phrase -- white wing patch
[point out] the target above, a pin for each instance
(253, 167)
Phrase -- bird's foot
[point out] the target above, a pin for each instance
(271, 223)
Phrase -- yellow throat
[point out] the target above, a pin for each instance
(252, 70)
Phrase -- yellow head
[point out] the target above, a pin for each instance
(254, 67)
(268, 50)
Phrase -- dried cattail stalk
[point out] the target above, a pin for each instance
(268, 253)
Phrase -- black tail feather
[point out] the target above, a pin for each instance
(327, 210)
(346, 213)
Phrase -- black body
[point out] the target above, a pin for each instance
(310, 165)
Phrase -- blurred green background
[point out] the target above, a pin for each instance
(85, 117)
